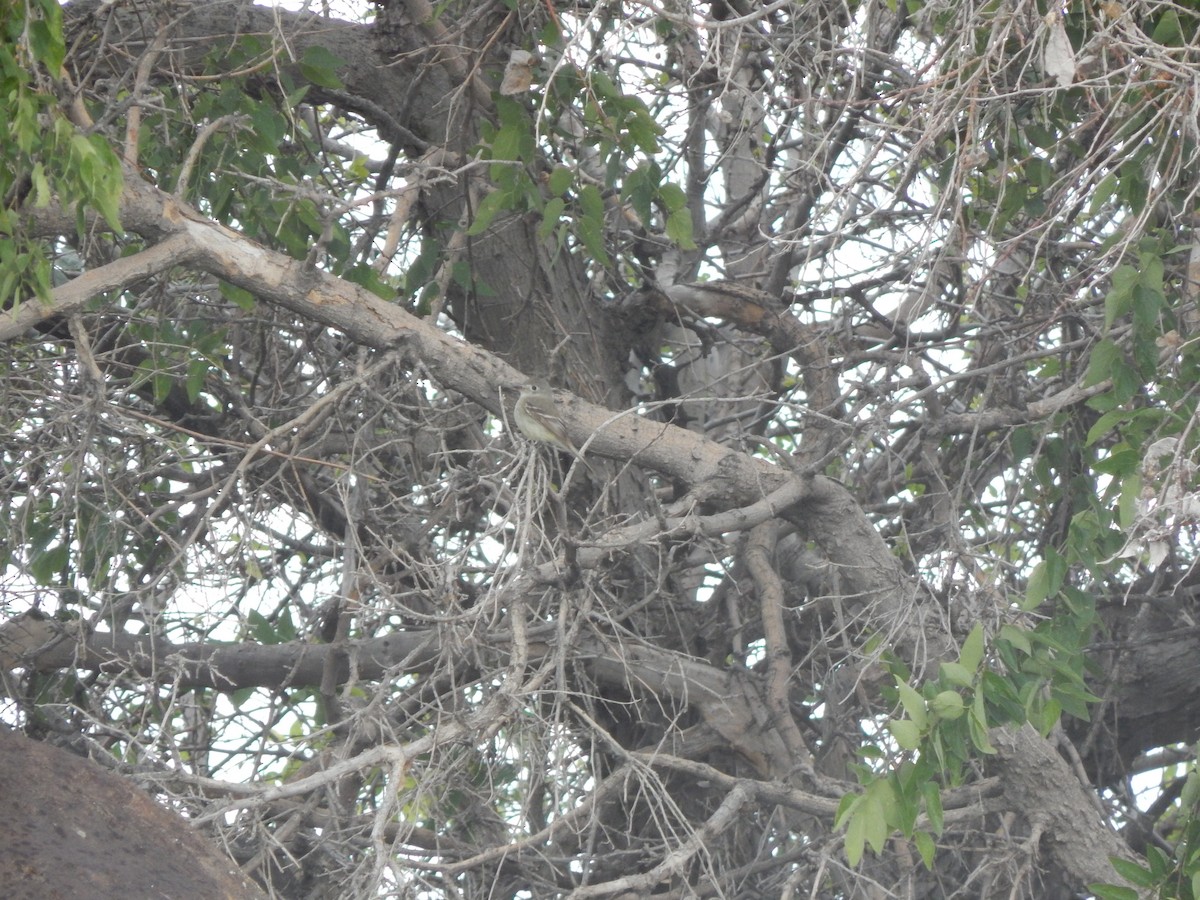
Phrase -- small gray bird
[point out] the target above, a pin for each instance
(538, 419)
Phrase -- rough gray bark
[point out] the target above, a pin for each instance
(72, 829)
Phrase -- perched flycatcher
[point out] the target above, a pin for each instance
(538, 419)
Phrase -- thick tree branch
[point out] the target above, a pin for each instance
(1039, 784)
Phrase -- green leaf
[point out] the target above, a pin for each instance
(1169, 30)
(41, 186)
(1122, 459)
(679, 229)
(268, 125)
(640, 191)
(262, 630)
(603, 86)
(1103, 360)
(673, 197)
(161, 382)
(1102, 193)
(977, 725)
(1151, 270)
(1074, 698)
(1107, 423)
(938, 747)
(971, 655)
(1132, 872)
(550, 35)
(906, 733)
(1045, 581)
(1044, 715)
(489, 207)
(933, 806)
(643, 131)
(239, 297)
(957, 674)
(926, 847)
(947, 705)
(286, 627)
(880, 797)
(508, 143)
(592, 236)
(98, 175)
(47, 566)
(1134, 187)
(1127, 505)
(913, 703)
(560, 180)
(357, 169)
(1017, 637)
(856, 838)
(1160, 863)
(591, 202)
(1112, 892)
(296, 97)
(591, 223)
(1119, 299)
(320, 66)
(47, 46)
(846, 806)
(254, 571)
(1189, 797)
(551, 216)
(197, 372)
